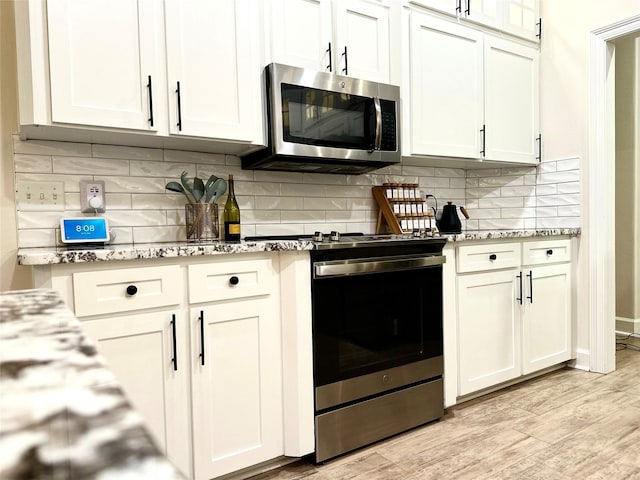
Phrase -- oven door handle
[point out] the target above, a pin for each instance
(374, 265)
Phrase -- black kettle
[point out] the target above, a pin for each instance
(449, 222)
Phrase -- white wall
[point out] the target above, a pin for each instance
(564, 108)
(12, 276)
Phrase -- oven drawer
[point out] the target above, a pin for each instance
(546, 251)
(125, 289)
(210, 282)
(493, 256)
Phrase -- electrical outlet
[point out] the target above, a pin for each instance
(92, 199)
(40, 196)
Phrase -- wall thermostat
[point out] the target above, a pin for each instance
(84, 230)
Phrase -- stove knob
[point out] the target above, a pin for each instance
(317, 237)
(335, 236)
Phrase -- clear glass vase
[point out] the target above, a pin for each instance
(201, 222)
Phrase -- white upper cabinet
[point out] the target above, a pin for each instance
(213, 69)
(522, 18)
(105, 62)
(468, 94)
(517, 17)
(302, 32)
(362, 38)
(446, 107)
(511, 101)
(346, 37)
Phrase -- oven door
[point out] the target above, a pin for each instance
(374, 314)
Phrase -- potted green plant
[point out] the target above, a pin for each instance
(201, 209)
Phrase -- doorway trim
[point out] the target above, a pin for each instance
(600, 225)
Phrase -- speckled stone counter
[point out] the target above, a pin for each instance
(62, 414)
(49, 255)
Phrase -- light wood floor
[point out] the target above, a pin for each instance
(568, 424)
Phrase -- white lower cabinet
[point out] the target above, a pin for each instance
(148, 354)
(513, 310)
(197, 346)
(489, 330)
(236, 386)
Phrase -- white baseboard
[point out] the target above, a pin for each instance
(627, 325)
(582, 361)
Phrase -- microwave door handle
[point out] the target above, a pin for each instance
(378, 140)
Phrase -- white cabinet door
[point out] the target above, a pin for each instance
(488, 330)
(546, 322)
(486, 12)
(521, 17)
(236, 387)
(511, 101)
(102, 55)
(446, 88)
(452, 7)
(140, 350)
(301, 31)
(362, 40)
(213, 69)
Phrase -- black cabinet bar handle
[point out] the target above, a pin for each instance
(201, 337)
(330, 66)
(179, 109)
(346, 64)
(468, 10)
(174, 360)
(520, 282)
(493, 256)
(530, 297)
(539, 142)
(539, 25)
(459, 6)
(549, 252)
(483, 132)
(150, 88)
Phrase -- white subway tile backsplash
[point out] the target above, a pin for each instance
(33, 163)
(129, 153)
(314, 203)
(159, 169)
(179, 156)
(501, 202)
(47, 147)
(90, 166)
(141, 210)
(560, 177)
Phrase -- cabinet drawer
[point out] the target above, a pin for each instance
(493, 256)
(211, 282)
(546, 251)
(107, 291)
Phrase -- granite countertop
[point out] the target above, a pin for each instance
(62, 414)
(53, 255)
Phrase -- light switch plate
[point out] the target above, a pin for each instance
(40, 196)
(92, 191)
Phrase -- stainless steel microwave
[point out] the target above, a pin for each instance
(322, 122)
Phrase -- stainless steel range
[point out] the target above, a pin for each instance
(377, 337)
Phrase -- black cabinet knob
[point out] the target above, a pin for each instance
(493, 256)
(234, 280)
(132, 290)
(549, 252)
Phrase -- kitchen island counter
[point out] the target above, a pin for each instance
(62, 412)
(51, 255)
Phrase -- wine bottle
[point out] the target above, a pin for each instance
(231, 215)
